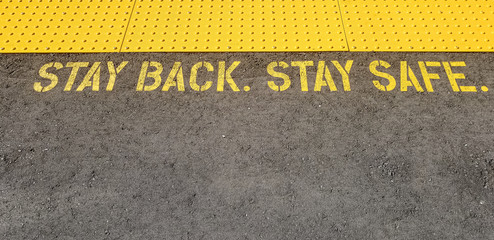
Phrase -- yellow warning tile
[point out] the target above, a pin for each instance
(411, 25)
(235, 25)
(63, 25)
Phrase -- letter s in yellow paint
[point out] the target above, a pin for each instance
(373, 69)
(50, 76)
(286, 80)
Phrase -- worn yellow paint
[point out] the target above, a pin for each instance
(113, 74)
(50, 76)
(344, 73)
(406, 72)
(175, 73)
(94, 74)
(286, 79)
(193, 76)
(302, 65)
(156, 75)
(226, 75)
(391, 80)
(428, 76)
(323, 73)
(150, 77)
(454, 77)
(73, 74)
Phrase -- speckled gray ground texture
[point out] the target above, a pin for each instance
(261, 164)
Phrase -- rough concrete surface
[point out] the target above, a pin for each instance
(363, 164)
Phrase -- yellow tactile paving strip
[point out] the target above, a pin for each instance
(235, 25)
(405, 25)
(245, 25)
(63, 25)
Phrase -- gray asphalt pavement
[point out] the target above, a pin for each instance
(353, 163)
